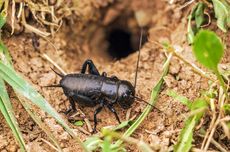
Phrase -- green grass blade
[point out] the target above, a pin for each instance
(190, 32)
(7, 111)
(185, 139)
(180, 98)
(25, 89)
(122, 125)
(5, 56)
(36, 118)
(2, 20)
(154, 95)
(184, 143)
(106, 146)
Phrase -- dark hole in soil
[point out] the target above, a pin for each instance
(119, 43)
(122, 42)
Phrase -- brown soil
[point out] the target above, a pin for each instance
(160, 130)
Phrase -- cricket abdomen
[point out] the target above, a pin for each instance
(81, 84)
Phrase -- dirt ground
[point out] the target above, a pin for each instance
(74, 46)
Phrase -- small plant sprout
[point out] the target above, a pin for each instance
(208, 50)
(222, 13)
(197, 14)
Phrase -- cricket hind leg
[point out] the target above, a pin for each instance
(92, 68)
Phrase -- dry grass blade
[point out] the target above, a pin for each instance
(215, 122)
(31, 28)
(54, 63)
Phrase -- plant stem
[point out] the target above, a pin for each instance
(222, 83)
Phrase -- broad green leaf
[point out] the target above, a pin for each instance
(222, 13)
(7, 111)
(208, 49)
(180, 98)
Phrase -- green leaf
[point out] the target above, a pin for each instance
(199, 14)
(184, 143)
(199, 104)
(7, 111)
(79, 123)
(208, 49)
(190, 31)
(222, 13)
(227, 108)
(180, 98)
(106, 144)
(4, 54)
(185, 139)
(122, 125)
(2, 20)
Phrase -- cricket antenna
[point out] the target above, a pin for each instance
(138, 59)
(59, 74)
(147, 103)
(53, 85)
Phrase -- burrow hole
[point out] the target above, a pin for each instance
(122, 42)
(118, 39)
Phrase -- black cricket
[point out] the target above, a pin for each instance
(95, 89)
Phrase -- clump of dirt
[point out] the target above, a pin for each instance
(72, 48)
